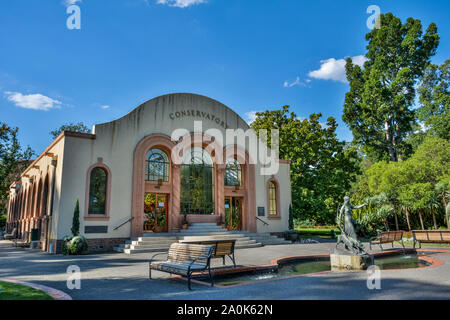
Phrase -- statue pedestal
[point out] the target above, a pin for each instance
(348, 261)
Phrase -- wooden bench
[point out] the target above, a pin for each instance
(430, 236)
(184, 259)
(24, 241)
(10, 236)
(387, 237)
(222, 247)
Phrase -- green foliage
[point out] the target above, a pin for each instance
(322, 167)
(378, 106)
(304, 223)
(76, 220)
(435, 100)
(13, 159)
(291, 218)
(418, 186)
(2, 221)
(74, 245)
(73, 127)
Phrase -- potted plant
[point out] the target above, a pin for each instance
(293, 235)
(184, 225)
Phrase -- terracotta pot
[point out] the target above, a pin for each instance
(159, 229)
(184, 226)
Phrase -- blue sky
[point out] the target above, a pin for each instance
(250, 55)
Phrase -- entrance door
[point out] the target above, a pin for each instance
(233, 213)
(155, 213)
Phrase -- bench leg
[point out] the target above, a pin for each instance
(210, 276)
(370, 245)
(381, 247)
(149, 272)
(232, 259)
(223, 260)
(189, 281)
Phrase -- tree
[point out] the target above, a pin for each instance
(378, 106)
(74, 127)
(435, 99)
(322, 167)
(13, 159)
(76, 220)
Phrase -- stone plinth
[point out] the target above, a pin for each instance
(347, 261)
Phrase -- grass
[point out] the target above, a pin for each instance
(13, 291)
(317, 232)
(425, 245)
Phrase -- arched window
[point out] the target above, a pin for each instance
(197, 182)
(272, 199)
(157, 166)
(97, 191)
(233, 173)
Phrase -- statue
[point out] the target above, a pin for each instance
(348, 236)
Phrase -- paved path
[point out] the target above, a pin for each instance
(120, 276)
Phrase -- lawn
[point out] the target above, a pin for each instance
(317, 232)
(13, 291)
(424, 245)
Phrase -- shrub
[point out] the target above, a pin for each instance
(76, 220)
(74, 246)
(306, 223)
(2, 221)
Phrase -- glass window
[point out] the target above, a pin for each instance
(197, 182)
(233, 173)
(97, 191)
(157, 166)
(272, 198)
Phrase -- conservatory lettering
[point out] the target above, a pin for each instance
(198, 114)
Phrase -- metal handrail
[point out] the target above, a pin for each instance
(123, 223)
(265, 223)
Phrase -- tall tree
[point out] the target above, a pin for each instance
(13, 158)
(378, 106)
(74, 127)
(322, 167)
(435, 99)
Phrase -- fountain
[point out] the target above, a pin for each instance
(353, 255)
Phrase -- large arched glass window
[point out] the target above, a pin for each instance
(272, 198)
(233, 173)
(197, 182)
(157, 166)
(97, 191)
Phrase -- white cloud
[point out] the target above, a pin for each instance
(251, 116)
(180, 3)
(297, 82)
(68, 3)
(332, 69)
(35, 101)
(105, 107)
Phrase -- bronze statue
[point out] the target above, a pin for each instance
(349, 236)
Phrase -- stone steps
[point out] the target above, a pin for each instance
(160, 242)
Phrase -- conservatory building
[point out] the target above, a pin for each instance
(168, 162)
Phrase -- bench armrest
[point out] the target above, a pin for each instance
(158, 254)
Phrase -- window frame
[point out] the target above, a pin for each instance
(106, 215)
(166, 163)
(276, 185)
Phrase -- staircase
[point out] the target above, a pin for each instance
(160, 242)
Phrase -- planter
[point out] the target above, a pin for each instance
(184, 226)
(159, 229)
(293, 236)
